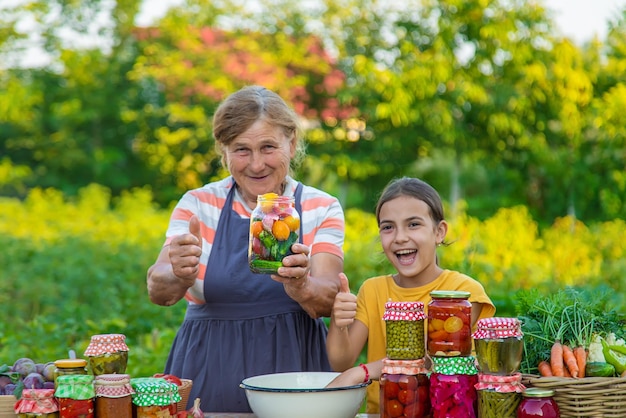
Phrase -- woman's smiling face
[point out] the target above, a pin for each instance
(409, 237)
(259, 160)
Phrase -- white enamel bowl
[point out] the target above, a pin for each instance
(302, 395)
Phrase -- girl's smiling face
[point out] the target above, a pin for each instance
(409, 238)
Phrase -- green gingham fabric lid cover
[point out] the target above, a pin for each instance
(150, 391)
(455, 365)
(75, 386)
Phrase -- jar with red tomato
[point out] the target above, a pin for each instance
(76, 394)
(274, 228)
(154, 397)
(538, 402)
(453, 387)
(449, 324)
(404, 389)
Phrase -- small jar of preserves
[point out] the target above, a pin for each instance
(453, 387)
(449, 324)
(154, 397)
(37, 403)
(76, 396)
(499, 344)
(274, 228)
(113, 396)
(404, 389)
(538, 402)
(107, 354)
(70, 366)
(499, 396)
(404, 325)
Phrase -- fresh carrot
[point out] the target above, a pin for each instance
(544, 369)
(566, 372)
(556, 359)
(581, 358)
(570, 360)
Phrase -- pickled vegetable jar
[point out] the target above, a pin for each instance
(76, 396)
(537, 402)
(404, 324)
(452, 387)
(274, 228)
(449, 323)
(113, 396)
(37, 403)
(107, 354)
(499, 344)
(65, 367)
(404, 389)
(154, 397)
(499, 396)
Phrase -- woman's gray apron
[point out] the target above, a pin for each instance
(247, 327)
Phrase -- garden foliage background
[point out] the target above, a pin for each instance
(521, 131)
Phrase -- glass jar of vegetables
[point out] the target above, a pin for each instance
(452, 387)
(76, 396)
(154, 397)
(538, 402)
(69, 366)
(107, 354)
(37, 403)
(274, 228)
(404, 325)
(499, 396)
(113, 396)
(404, 389)
(499, 344)
(449, 323)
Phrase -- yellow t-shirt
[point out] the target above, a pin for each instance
(376, 291)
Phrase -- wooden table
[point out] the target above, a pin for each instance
(242, 415)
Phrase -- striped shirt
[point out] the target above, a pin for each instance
(322, 221)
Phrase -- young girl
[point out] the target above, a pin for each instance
(411, 226)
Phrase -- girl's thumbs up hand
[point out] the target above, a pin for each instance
(344, 307)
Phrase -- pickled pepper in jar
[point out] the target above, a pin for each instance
(499, 345)
(404, 389)
(154, 397)
(449, 324)
(113, 396)
(107, 354)
(274, 228)
(37, 403)
(404, 329)
(452, 387)
(499, 396)
(76, 396)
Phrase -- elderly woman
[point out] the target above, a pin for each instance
(240, 324)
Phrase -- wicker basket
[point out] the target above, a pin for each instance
(589, 397)
(7, 402)
(184, 392)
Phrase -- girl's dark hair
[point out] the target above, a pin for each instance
(412, 187)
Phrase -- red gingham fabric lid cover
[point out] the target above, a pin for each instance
(408, 367)
(106, 343)
(502, 384)
(113, 385)
(37, 401)
(404, 311)
(497, 327)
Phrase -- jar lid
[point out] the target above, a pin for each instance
(106, 343)
(449, 294)
(113, 385)
(538, 393)
(38, 401)
(497, 328)
(501, 384)
(410, 367)
(70, 363)
(75, 386)
(455, 365)
(404, 311)
(151, 391)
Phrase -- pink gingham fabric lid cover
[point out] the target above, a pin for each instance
(497, 327)
(501, 384)
(37, 401)
(113, 385)
(404, 311)
(106, 343)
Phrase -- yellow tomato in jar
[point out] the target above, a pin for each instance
(453, 324)
(280, 230)
(267, 202)
(256, 228)
(292, 223)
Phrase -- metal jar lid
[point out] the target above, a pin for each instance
(449, 294)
